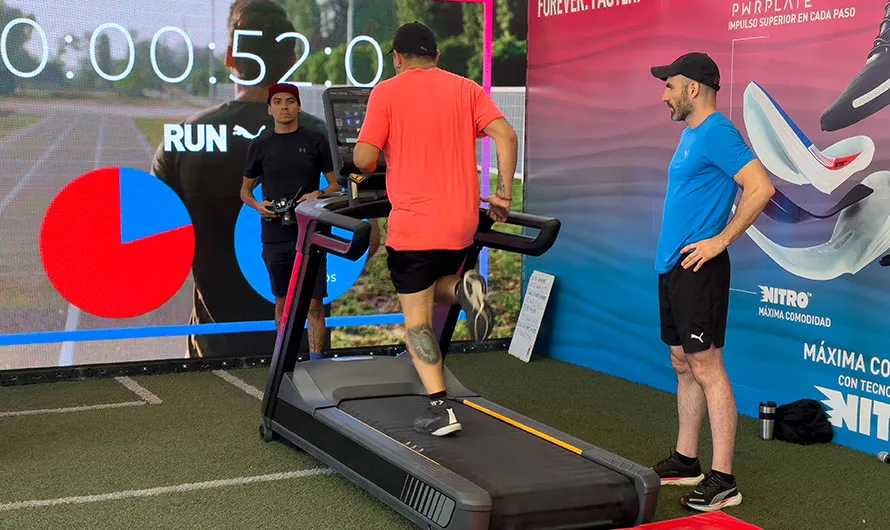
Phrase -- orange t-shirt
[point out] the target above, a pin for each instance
(426, 122)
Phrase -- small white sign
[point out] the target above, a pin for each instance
(530, 316)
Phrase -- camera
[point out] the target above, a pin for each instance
(285, 207)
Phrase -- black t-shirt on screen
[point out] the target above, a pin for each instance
(209, 183)
(287, 164)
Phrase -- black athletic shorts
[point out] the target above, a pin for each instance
(694, 305)
(279, 258)
(413, 271)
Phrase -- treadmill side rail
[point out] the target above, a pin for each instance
(646, 481)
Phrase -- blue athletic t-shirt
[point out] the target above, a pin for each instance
(701, 187)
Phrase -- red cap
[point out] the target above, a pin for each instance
(284, 87)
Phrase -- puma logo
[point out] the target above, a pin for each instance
(699, 336)
(241, 131)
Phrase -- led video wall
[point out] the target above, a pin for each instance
(124, 128)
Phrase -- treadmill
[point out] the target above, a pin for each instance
(355, 413)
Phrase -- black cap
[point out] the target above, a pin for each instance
(696, 66)
(415, 38)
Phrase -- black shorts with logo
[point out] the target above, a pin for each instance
(413, 271)
(280, 258)
(694, 306)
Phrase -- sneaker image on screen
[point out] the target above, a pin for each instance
(860, 237)
(869, 91)
(787, 152)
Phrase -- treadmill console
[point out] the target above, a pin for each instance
(345, 108)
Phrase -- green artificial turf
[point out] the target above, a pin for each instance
(784, 486)
(206, 429)
(64, 395)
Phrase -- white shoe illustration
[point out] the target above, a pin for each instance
(861, 235)
(789, 154)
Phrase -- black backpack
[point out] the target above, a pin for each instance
(803, 422)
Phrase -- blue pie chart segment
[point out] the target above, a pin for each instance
(341, 273)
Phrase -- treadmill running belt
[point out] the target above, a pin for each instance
(528, 478)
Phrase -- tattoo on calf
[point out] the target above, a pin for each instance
(423, 341)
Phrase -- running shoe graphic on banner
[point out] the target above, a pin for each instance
(869, 91)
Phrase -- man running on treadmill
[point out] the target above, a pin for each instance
(426, 121)
(288, 162)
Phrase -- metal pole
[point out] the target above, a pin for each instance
(350, 14)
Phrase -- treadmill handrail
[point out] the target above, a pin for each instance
(532, 246)
(313, 210)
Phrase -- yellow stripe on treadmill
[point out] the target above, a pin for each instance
(525, 428)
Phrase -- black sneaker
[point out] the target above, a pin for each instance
(673, 472)
(869, 91)
(438, 420)
(712, 494)
(472, 295)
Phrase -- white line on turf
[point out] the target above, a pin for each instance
(139, 390)
(153, 492)
(144, 394)
(71, 409)
(240, 383)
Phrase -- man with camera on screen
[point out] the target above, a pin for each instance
(209, 183)
(288, 163)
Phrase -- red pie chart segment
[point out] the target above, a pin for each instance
(89, 262)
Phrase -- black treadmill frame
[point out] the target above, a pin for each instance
(320, 428)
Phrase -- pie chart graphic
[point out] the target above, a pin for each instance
(341, 272)
(117, 243)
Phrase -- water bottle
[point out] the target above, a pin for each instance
(767, 419)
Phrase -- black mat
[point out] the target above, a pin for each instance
(527, 477)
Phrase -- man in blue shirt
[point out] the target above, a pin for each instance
(710, 164)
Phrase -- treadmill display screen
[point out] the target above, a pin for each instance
(348, 119)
